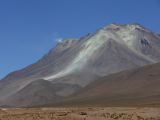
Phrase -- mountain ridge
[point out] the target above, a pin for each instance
(77, 63)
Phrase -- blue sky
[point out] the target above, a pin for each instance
(29, 28)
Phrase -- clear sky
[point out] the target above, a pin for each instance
(29, 28)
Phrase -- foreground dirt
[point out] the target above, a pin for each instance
(81, 114)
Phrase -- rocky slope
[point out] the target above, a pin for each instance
(76, 63)
(140, 86)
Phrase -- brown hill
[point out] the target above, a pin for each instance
(140, 87)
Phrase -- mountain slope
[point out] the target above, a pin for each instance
(139, 86)
(39, 92)
(76, 63)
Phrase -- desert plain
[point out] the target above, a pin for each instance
(88, 113)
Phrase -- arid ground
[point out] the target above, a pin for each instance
(112, 113)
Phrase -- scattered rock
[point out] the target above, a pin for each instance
(83, 113)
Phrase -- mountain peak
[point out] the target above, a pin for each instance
(132, 26)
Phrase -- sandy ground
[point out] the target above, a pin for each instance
(81, 114)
